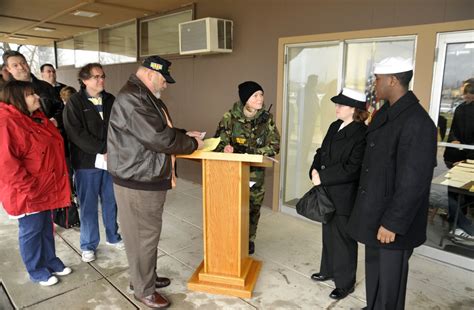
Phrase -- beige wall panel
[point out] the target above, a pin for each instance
(207, 85)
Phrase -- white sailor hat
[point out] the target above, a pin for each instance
(351, 97)
(393, 65)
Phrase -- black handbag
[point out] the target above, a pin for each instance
(67, 217)
(316, 205)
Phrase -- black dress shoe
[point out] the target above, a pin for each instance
(320, 277)
(160, 282)
(340, 293)
(251, 247)
(154, 301)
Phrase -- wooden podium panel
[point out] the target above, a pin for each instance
(226, 269)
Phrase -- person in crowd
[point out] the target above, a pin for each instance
(66, 93)
(86, 118)
(5, 75)
(33, 179)
(336, 166)
(48, 73)
(462, 132)
(249, 128)
(391, 209)
(19, 70)
(142, 144)
(4, 78)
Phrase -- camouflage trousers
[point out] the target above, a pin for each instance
(257, 193)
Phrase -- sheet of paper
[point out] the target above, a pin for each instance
(272, 159)
(211, 144)
(453, 183)
(100, 162)
(464, 166)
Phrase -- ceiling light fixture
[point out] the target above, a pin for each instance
(45, 29)
(85, 13)
(17, 38)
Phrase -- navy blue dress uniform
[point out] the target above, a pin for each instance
(394, 191)
(338, 163)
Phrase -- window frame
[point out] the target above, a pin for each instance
(155, 17)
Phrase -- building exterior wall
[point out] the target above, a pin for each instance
(207, 85)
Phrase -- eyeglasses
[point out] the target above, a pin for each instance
(97, 77)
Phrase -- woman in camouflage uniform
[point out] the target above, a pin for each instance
(249, 128)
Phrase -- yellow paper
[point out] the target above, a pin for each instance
(210, 144)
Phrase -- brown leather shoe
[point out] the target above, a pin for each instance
(160, 282)
(154, 301)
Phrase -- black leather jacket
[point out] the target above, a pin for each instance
(140, 143)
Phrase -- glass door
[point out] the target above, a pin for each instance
(450, 224)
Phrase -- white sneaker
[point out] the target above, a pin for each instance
(65, 272)
(88, 256)
(119, 245)
(459, 232)
(51, 281)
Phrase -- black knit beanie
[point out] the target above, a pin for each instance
(247, 89)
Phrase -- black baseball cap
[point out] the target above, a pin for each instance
(159, 64)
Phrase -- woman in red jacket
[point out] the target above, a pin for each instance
(33, 178)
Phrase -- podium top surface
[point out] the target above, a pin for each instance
(255, 160)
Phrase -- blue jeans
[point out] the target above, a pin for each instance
(37, 246)
(90, 185)
(463, 222)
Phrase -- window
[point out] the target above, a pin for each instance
(160, 35)
(65, 52)
(46, 55)
(361, 55)
(313, 72)
(118, 44)
(86, 48)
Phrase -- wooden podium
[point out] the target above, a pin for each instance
(226, 269)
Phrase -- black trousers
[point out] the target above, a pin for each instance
(386, 274)
(339, 258)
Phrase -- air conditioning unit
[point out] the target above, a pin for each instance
(205, 36)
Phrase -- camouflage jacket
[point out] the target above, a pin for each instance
(256, 135)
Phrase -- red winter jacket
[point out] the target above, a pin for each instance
(33, 173)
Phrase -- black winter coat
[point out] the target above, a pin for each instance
(462, 128)
(338, 162)
(396, 176)
(86, 130)
(51, 103)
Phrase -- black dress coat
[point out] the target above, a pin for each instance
(338, 162)
(396, 176)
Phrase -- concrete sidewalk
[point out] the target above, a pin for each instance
(289, 247)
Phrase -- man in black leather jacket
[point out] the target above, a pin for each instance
(142, 143)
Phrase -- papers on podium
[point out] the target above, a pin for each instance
(210, 144)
